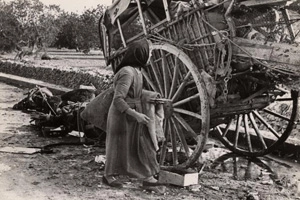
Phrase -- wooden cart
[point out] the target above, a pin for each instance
(219, 67)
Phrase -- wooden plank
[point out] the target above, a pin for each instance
(276, 52)
(250, 3)
(253, 50)
(20, 150)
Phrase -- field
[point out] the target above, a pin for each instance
(67, 59)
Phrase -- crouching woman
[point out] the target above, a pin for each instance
(129, 148)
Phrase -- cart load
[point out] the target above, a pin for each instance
(221, 67)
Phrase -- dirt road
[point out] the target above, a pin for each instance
(70, 172)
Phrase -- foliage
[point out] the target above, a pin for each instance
(131, 30)
(10, 28)
(67, 34)
(49, 25)
(80, 31)
(89, 36)
(25, 22)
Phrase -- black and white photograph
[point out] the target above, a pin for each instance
(150, 99)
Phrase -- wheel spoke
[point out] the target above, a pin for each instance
(183, 101)
(248, 170)
(163, 150)
(146, 76)
(181, 137)
(175, 78)
(276, 114)
(181, 87)
(155, 72)
(185, 125)
(246, 126)
(235, 168)
(252, 120)
(237, 131)
(186, 112)
(266, 123)
(174, 145)
(165, 73)
(227, 128)
(220, 133)
(284, 99)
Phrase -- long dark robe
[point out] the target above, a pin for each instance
(129, 148)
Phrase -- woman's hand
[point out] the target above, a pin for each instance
(140, 117)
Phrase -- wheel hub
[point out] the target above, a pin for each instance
(168, 108)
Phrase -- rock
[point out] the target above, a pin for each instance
(194, 188)
(155, 189)
(45, 57)
(252, 196)
(215, 188)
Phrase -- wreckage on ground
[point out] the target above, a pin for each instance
(58, 115)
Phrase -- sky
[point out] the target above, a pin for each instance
(77, 6)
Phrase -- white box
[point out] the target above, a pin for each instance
(178, 179)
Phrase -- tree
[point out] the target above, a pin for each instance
(29, 22)
(67, 36)
(10, 28)
(129, 31)
(80, 31)
(88, 36)
(48, 24)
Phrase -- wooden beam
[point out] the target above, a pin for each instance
(166, 6)
(142, 16)
(121, 32)
(275, 52)
(250, 3)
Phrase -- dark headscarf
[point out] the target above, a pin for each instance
(136, 55)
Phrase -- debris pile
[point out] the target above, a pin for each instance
(58, 115)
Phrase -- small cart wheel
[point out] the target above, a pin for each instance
(184, 98)
(241, 167)
(260, 132)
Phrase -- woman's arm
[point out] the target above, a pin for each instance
(123, 81)
(122, 84)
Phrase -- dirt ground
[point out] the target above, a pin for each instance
(70, 172)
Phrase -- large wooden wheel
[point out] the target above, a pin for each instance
(261, 131)
(183, 94)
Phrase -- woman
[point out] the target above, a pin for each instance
(129, 148)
